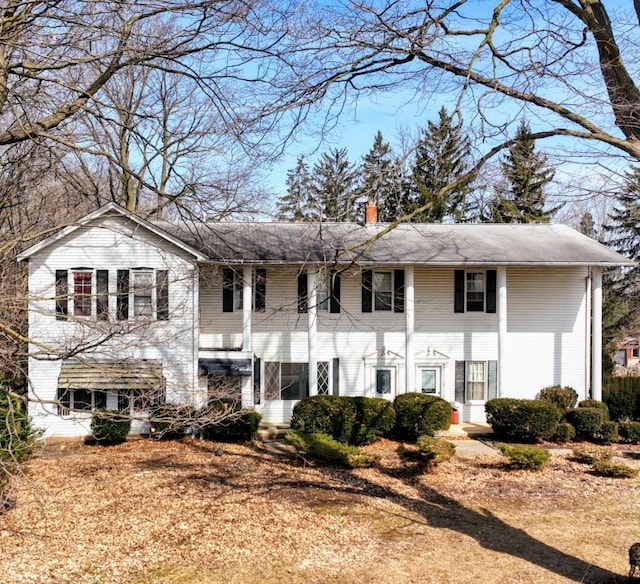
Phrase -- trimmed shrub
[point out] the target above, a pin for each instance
(17, 436)
(521, 419)
(525, 457)
(629, 432)
(606, 468)
(622, 396)
(594, 403)
(350, 420)
(171, 421)
(608, 432)
(110, 427)
(564, 432)
(420, 414)
(590, 455)
(238, 427)
(324, 448)
(564, 398)
(586, 421)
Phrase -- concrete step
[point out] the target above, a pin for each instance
(269, 431)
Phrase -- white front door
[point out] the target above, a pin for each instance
(429, 380)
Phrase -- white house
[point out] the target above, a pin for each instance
(125, 312)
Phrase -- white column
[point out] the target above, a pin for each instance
(501, 285)
(312, 313)
(596, 333)
(409, 311)
(247, 304)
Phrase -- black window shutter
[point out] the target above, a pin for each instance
(458, 298)
(122, 284)
(256, 381)
(302, 292)
(260, 301)
(334, 285)
(62, 294)
(398, 291)
(335, 374)
(491, 290)
(102, 298)
(367, 290)
(492, 380)
(64, 397)
(162, 295)
(460, 381)
(227, 290)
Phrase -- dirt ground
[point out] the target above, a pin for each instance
(175, 512)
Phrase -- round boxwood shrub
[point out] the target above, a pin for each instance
(564, 398)
(564, 432)
(350, 420)
(522, 419)
(594, 403)
(629, 432)
(237, 426)
(608, 432)
(110, 427)
(420, 414)
(586, 421)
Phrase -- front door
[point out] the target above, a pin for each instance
(385, 383)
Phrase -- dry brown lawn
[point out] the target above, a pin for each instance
(174, 512)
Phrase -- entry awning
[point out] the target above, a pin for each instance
(229, 367)
(142, 374)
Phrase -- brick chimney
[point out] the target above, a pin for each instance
(370, 213)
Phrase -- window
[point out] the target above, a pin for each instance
(323, 377)
(233, 290)
(383, 290)
(428, 379)
(286, 381)
(82, 292)
(475, 291)
(476, 380)
(83, 400)
(145, 289)
(327, 292)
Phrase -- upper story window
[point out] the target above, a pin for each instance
(88, 291)
(233, 289)
(382, 290)
(475, 291)
(327, 291)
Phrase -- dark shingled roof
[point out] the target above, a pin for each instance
(406, 244)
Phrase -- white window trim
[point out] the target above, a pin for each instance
(467, 291)
(485, 381)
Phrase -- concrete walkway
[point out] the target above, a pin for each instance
(466, 437)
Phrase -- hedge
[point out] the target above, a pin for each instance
(349, 420)
(110, 427)
(521, 419)
(419, 414)
(622, 396)
(586, 421)
(237, 427)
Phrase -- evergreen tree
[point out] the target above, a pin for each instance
(522, 200)
(441, 160)
(296, 205)
(333, 187)
(587, 226)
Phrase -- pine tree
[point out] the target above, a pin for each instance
(523, 199)
(380, 179)
(441, 160)
(333, 187)
(296, 204)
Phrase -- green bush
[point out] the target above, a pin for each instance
(564, 398)
(594, 403)
(589, 455)
(17, 436)
(525, 457)
(434, 451)
(240, 426)
(608, 432)
(564, 432)
(420, 414)
(521, 419)
(350, 420)
(586, 421)
(629, 432)
(110, 426)
(606, 468)
(622, 396)
(324, 448)
(171, 421)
